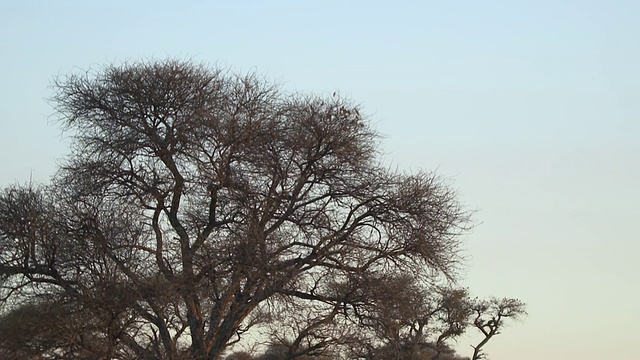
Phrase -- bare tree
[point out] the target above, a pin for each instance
(489, 318)
(401, 318)
(194, 200)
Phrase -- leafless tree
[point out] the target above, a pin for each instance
(195, 200)
(489, 318)
(401, 318)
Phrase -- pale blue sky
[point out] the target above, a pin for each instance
(528, 108)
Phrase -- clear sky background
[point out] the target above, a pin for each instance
(528, 108)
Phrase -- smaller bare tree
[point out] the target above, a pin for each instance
(490, 316)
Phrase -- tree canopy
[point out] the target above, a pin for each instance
(197, 206)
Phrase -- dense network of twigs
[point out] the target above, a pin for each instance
(198, 206)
